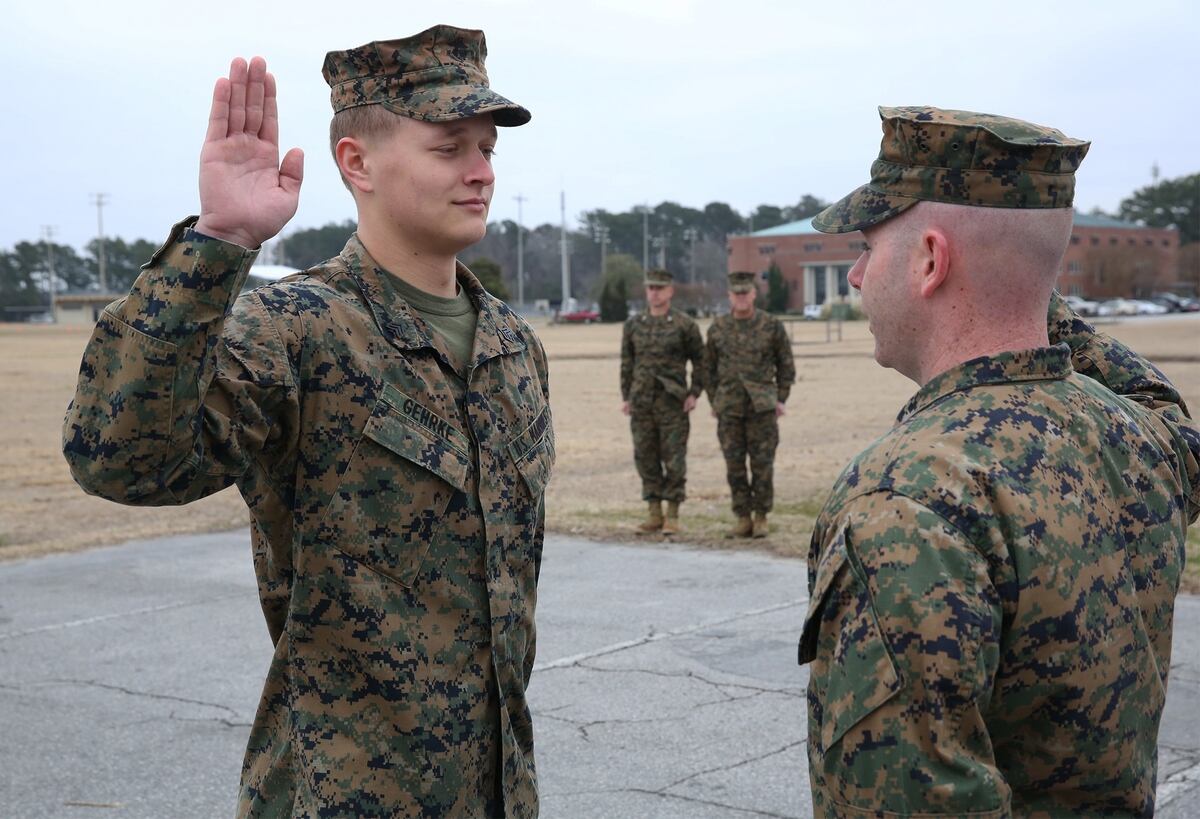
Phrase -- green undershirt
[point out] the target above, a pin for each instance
(452, 320)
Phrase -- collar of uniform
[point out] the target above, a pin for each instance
(497, 329)
(669, 315)
(393, 315)
(1038, 364)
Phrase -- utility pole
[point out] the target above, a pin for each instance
(646, 237)
(520, 251)
(691, 235)
(48, 246)
(100, 199)
(600, 233)
(566, 262)
(660, 243)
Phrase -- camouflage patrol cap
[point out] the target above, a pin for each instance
(962, 158)
(741, 281)
(659, 277)
(435, 76)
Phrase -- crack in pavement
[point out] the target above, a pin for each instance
(227, 723)
(697, 801)
(655, 636)
(582, 725)
(100, 618)
(723, 768)
(134, 693)
(695, 676)
(1176, 785)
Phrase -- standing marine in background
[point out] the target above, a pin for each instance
(750, 373)
(655, 349)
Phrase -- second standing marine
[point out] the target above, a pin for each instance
(750, 373)
(655, 349)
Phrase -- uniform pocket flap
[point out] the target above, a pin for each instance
(416, 433)
(763, 395)
(532, 450)
(853, 670)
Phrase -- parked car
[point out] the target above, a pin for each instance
(1082, 306)
(812, 311)
(579, 317)
(1116, 307)
(1148, 308)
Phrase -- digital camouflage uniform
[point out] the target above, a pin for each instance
(655, 351)
(396, 505)
(992, 583)
(750, 368)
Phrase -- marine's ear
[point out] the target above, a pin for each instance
(351, 156)
(933, 260)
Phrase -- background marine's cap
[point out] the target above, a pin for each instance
(963, 158)
(741, 281)
(659, 277)
(435, 76)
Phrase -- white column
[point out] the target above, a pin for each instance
(830, 284)
(810, 284)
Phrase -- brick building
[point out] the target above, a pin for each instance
(1106, 258)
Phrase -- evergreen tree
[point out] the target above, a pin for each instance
(777, 290)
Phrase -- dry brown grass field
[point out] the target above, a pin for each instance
(841, 402)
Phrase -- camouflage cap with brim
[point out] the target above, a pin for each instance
(659, 277)
(962, 158)
(741, 281)
(435, 76)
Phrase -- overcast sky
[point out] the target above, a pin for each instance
(633, 101)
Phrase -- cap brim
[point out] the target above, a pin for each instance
(452, 103)
(862, 208)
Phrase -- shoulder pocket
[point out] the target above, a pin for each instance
(532, 450)
(853, 671)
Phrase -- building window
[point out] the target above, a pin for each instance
(1112, 241)
(860, 246)
(1166, 242)
(1074, 240)
(1133, 241)
(1075, 290)
(766, 250)
(1149, 242)
(1074, 267)
(1095, 240)
(812, 247)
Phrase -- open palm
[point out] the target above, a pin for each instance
(246, 194)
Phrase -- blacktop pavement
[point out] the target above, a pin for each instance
(667, 683)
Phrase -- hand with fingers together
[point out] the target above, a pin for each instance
(246, 194)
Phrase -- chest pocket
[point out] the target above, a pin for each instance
(532, 450)
(853, 671)
(394, 493)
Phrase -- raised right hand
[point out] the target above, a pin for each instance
(246, 194)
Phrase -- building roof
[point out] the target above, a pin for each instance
(802, 227)
(1090, 221)
(805, 226)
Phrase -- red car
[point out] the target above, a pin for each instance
(580, 316)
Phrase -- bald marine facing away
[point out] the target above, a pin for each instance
(992, 582)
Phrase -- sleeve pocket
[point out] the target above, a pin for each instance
(853, 671)
(532, 450)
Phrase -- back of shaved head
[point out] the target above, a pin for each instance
(1008, 258)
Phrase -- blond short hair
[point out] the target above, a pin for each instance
(360, 122)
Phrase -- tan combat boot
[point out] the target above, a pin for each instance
(742, 528)
(760, 528)
(654, 520)
(670, 525)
